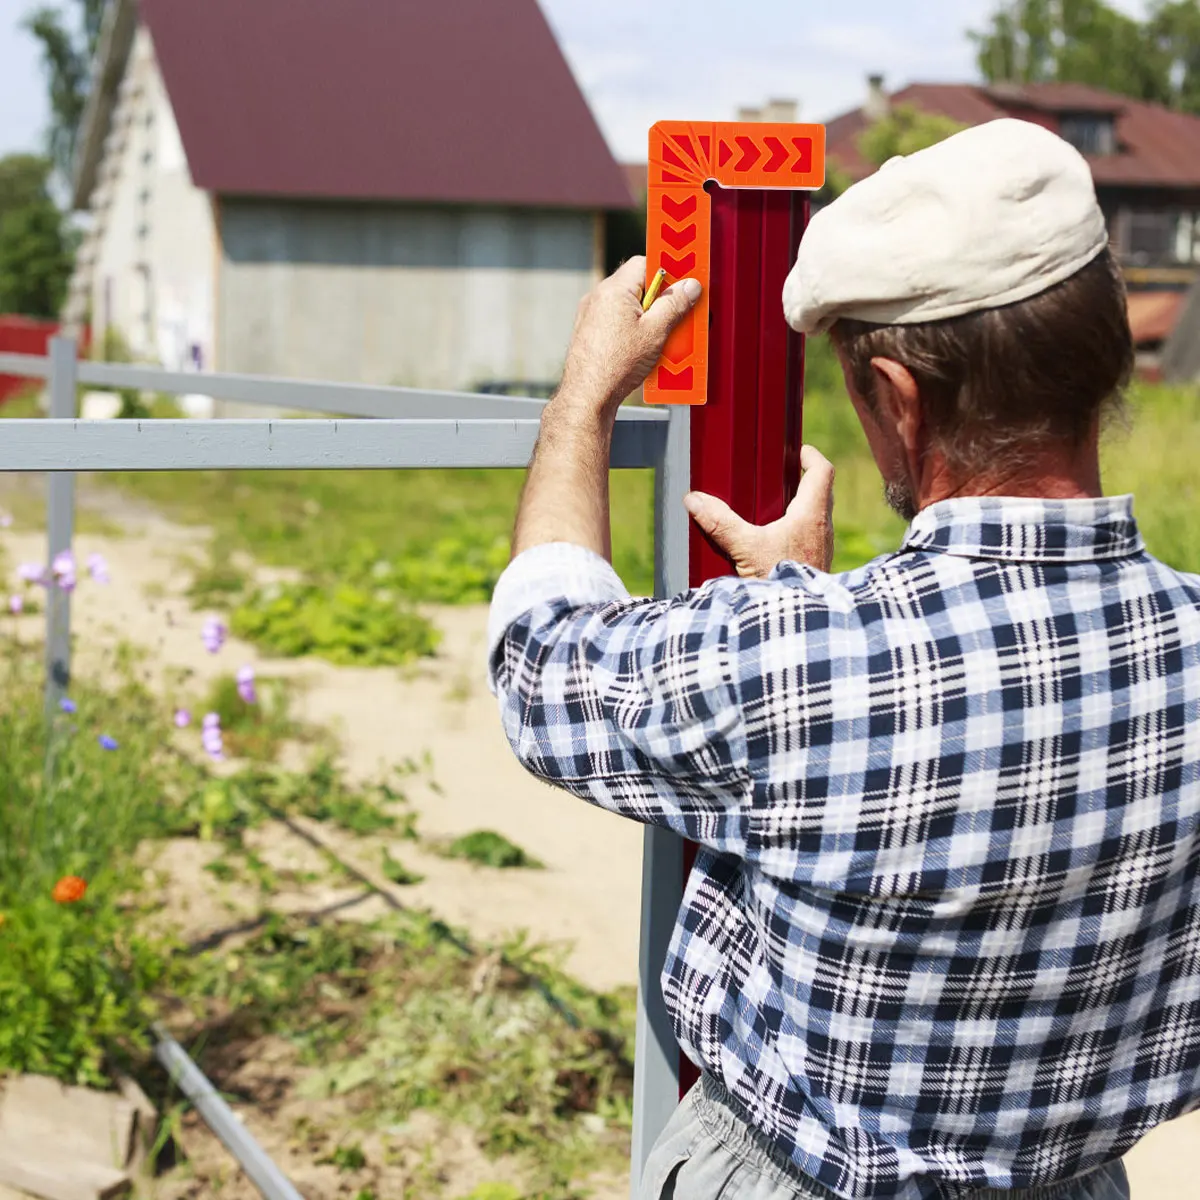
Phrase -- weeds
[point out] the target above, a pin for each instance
(75, 977)
(398, 1017)
(255, 730)
(397, 873)
(345, 623)
(489, 849)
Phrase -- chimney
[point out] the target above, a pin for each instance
(878, 105)
(780, 110)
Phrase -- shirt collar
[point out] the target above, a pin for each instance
(1018, 529)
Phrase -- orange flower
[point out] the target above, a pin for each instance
(69, 889)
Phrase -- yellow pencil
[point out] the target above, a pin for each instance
(654, 288)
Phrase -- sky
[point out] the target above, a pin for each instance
(623, 52)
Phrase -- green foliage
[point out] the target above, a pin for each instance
(347, 624)
(453, 570)
(75, 979)
(396, 872)
(257, 730)
(224, 808)
(496, 1191)
(347, 1158)
(489, 849)
(905, 130)
(319, 522)
(1149, 459)
(1093, 42)
(403, 1018)
(35, 251)
(24, 182)
(217, 583)
(67, 61)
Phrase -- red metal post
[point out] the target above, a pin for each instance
(746, 439)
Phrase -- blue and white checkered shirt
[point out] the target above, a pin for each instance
(943, 933)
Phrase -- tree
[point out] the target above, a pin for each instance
(67, 51)
(35, 248)
(1089, 41)
(24, 180)
(905, 130)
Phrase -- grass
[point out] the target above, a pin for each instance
(320, 521)
(399, 1017)
(488, 849)
(257, 731)
(1151, 458)
(76, 978)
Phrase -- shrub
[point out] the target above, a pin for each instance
(489, 849)
(75, 977)
(348, 624)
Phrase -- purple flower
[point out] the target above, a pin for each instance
(213, 635)
(68, 705)
(33, 573)
(183, 718)
(15, 605)
(245, 685)
(98, 568)
(214, 747)
(5, 520)
(107, 743)
(63, 569)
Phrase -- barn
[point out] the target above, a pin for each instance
(391, 193)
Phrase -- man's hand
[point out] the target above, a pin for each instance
(804, 534)
(615, 345)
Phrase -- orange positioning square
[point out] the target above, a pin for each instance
(684, 157)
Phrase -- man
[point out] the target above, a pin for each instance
(942, 938)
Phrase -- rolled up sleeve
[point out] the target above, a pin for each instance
(629, 704)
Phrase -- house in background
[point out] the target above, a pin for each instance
(1145, 160)
(354, 190)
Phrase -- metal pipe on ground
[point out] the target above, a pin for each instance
(221, 1119)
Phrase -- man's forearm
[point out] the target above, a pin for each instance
(613, 349)
(566, 492)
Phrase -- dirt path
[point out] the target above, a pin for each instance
(586, 899)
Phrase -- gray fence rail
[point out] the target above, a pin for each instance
(386, 429)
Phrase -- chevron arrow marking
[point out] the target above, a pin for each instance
(678, 209)
(779, 154)
(677, 268)
(677, 239)
(750, 154)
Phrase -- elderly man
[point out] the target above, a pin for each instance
(942, 938)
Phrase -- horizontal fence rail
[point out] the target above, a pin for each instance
(353, 400)
(132, 445)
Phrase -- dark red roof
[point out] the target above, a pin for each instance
(1157, 147)
(467, 101)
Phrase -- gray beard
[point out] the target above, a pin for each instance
(900, 499)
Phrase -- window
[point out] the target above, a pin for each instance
(1167, 237)
(1090, 133)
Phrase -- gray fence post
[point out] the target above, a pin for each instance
(656, 1056)
(60, 527)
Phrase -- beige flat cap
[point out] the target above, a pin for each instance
(990, 216)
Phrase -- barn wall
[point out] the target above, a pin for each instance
(154, 278)
(404, 295)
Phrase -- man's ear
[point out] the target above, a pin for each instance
(898, 400)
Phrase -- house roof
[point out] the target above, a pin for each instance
(1154, 315)
(463, 101)
(1156, 147)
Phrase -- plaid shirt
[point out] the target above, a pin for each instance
(943, 933)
